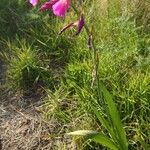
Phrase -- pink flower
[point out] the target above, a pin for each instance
(79, 24)
(59, 7)
(33, 2)
(48, 5)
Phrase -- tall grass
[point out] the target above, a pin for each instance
(63, 64)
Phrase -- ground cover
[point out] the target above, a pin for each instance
(53, 73)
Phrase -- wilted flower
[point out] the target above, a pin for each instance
(90, 41)
(33, 2)
(79, 24)
(59, 7)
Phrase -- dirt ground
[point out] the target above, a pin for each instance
(22, 126)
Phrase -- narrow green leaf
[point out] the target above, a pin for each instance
(104, 122)
(105, 141)
(115, 118)
(96, 137)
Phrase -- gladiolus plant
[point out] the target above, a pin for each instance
(117, 138)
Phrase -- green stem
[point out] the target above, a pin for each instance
(95, 56)
(101, 101)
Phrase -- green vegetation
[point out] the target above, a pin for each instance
(37, 57)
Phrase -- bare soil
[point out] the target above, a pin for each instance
(22, 126)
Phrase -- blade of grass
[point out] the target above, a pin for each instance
(104, 122)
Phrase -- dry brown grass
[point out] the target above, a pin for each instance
(24, 129)
(22, 126)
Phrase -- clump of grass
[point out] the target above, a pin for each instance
(31, 61)
(25, 71)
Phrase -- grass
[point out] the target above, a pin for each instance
(36, 56)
